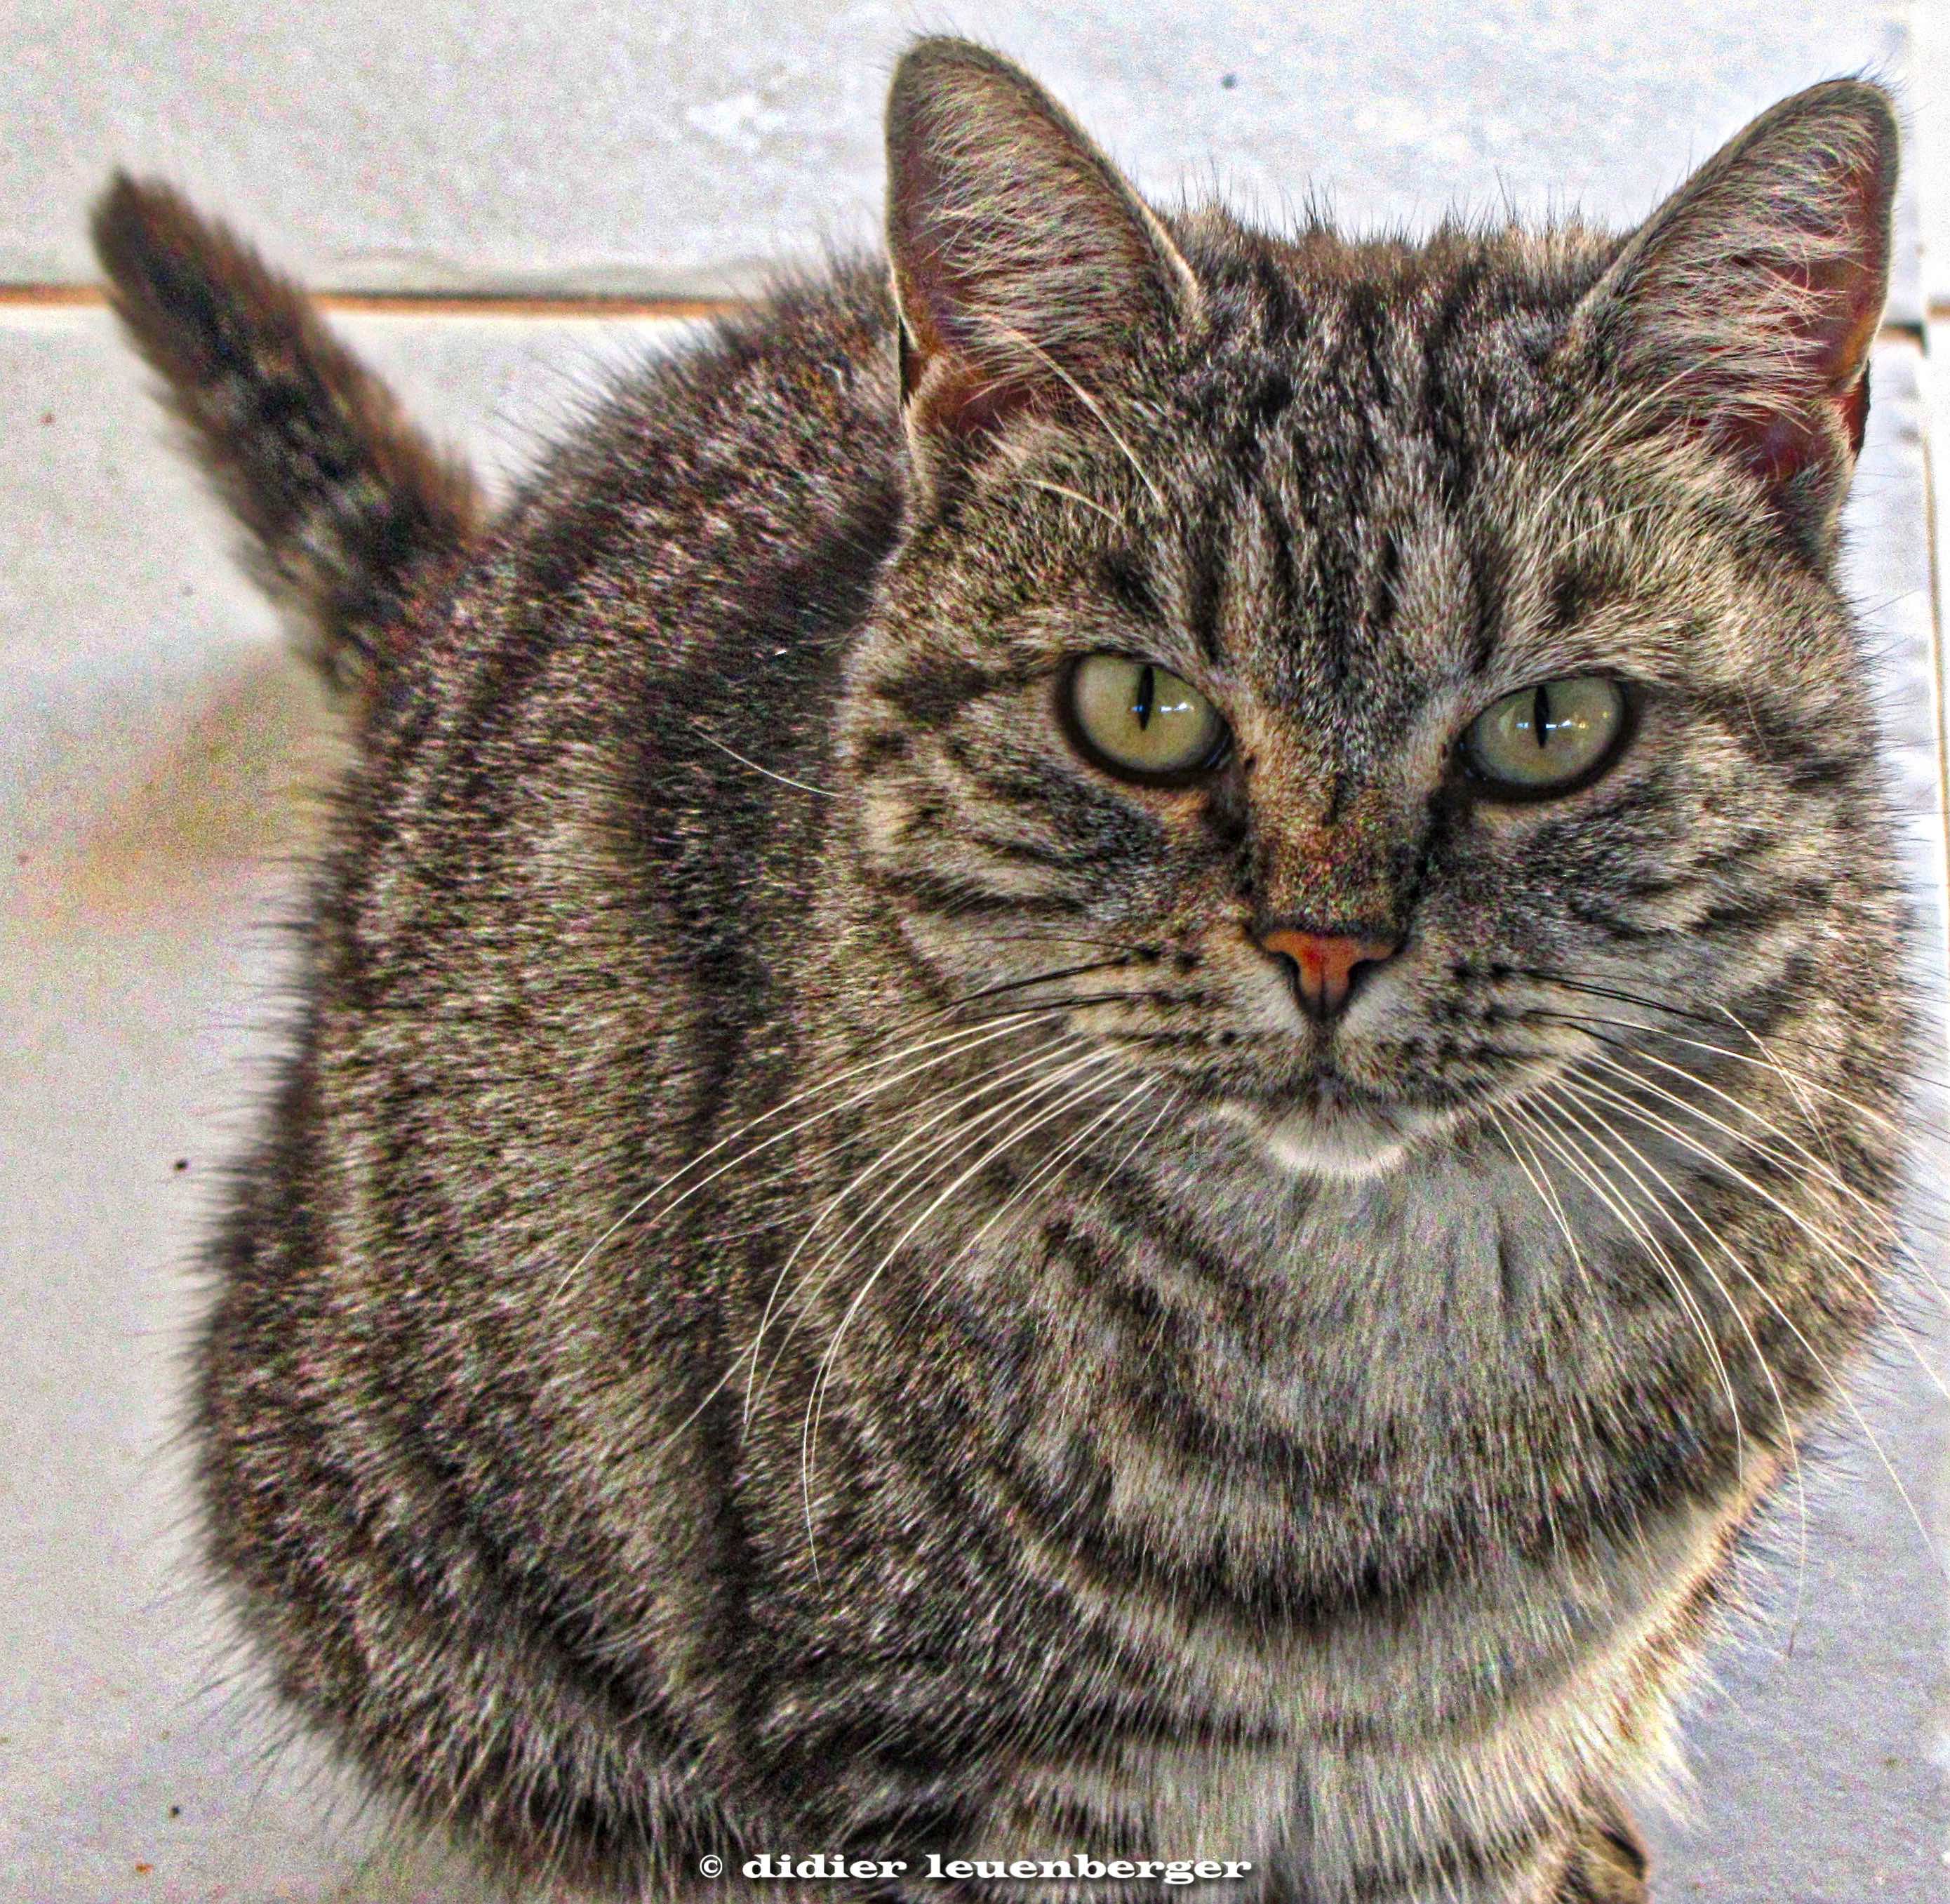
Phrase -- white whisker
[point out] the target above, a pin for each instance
(963, 1038)
(1546, 1195)
(1090, 403)
(833, 1255)
(1850, 1265)
(1830, 1376)
(1078, 496)
(960, 1088)
(1886, 1232)
(815, 1397)
(784, 780)
(1614, 1142)
(1582, 1167)
(862, 1222)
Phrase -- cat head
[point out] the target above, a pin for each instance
(1361, 670)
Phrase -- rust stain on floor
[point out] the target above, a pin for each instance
(240, 784)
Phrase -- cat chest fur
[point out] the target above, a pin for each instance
(1203, 1622)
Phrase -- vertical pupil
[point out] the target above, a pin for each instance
(1147, 696)
(1539, 717)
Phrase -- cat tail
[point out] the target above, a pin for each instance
(352, 514)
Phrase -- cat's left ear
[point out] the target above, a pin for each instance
(1744, 308)
(1025, 267)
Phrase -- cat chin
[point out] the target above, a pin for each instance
(1346, 1144)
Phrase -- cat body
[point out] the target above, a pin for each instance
(815, 1285)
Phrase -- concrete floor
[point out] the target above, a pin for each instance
(164, 758)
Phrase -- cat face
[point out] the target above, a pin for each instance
(1348, 681)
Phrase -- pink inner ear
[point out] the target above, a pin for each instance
(952, 288)
(1821, 396)
(969, 410)
(1776, 448)
(952, 391)
(1827, 315)
(1025, 267)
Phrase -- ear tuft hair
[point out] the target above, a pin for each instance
(1023, 262)
(1746, 305)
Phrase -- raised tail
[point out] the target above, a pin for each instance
(352, 512)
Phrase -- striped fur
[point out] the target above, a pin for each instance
(352, 514)
(808, 1289)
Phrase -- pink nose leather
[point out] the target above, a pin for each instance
(1324, 964)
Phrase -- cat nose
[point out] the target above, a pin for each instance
(1322, 964)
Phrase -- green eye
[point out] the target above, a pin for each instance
(1549, 738)
(1138, 719)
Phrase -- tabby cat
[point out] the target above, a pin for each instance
(1100, 1046)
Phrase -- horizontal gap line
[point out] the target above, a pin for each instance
(420, 304)
(496, 304)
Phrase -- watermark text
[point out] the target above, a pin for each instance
(822, 1867)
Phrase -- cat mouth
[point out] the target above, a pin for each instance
(1329, 1125)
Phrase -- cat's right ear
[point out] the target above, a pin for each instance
(1024, 265)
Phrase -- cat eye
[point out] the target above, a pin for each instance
(1140, 721)
(1548, 739)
